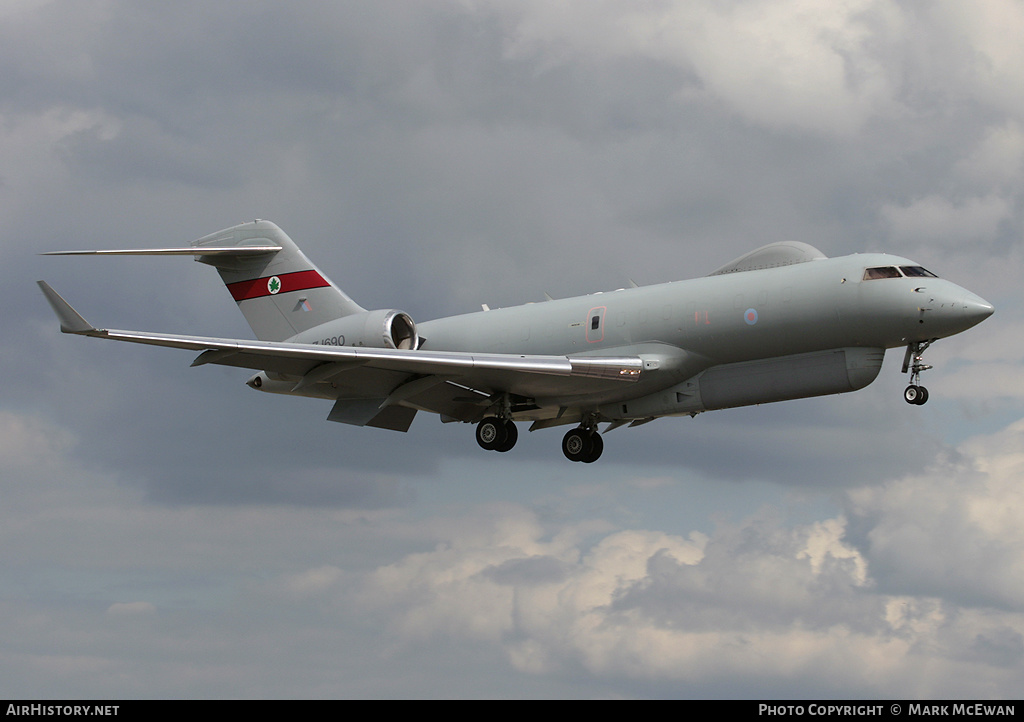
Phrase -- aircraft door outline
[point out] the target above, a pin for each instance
(595, 324)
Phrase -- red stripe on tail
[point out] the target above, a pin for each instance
(289, 282)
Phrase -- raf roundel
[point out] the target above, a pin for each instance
(273, 285)
(750, 316)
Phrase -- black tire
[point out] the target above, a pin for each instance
(922, 396)
(511, 437)
(596, 447)
(491, 433)
(912, 395)
(576, 444)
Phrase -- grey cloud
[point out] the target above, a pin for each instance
(499, 151)
(761, 600)
(950, 531)
(141, 151)
(530, 571)
(756, 577)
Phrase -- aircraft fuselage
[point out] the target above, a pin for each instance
(688, 327)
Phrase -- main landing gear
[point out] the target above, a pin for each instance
(583, 444)
(580, 444)
(494, 434)
(915, 393)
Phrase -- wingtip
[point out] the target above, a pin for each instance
(71, 321)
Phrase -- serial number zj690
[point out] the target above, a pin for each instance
(332, 341)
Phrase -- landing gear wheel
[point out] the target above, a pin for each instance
(596, 447)
(916, 395)
(511, 437)
(491, 433)
(582, 445)
(575, 444)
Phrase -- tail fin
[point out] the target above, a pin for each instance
(280, 292)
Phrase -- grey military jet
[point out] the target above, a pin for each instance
(782, 322)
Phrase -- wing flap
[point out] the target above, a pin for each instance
(368, 412)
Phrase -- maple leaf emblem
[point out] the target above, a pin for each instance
(274, 284)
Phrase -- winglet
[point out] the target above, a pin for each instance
(71, 321)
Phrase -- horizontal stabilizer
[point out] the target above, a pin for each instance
(190, 251)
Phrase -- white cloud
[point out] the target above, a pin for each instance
(792, 65)
(954, 532)
(984, 38)
(926, 575)
(131, 609)
(938, 578)
(759, 602)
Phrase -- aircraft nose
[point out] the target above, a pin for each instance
(976, 309)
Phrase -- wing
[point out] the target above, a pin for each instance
(459, 385)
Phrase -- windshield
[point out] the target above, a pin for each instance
(873, 274)
(916, 272)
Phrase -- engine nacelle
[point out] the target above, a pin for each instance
(385, 328)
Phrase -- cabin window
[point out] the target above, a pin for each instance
(595, 323)
(873, 274)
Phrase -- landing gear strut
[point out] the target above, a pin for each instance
(582, 444)
(915, 393)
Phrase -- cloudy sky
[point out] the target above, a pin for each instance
(167, 532)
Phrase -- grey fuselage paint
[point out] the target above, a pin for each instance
(741, 338)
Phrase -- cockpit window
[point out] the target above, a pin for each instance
(872, 274)
(916, 272)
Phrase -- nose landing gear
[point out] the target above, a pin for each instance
(915, 393)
